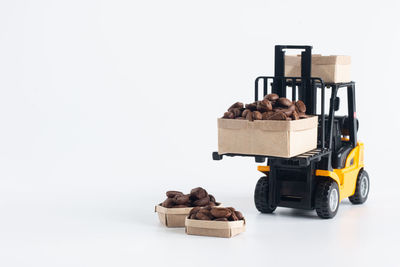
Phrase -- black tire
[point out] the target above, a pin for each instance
(261, 196)
(325, 198)
(361, 193)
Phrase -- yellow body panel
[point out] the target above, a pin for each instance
(346, 178)
(263, 169)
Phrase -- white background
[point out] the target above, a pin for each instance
(105, 105)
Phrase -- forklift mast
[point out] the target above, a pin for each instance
(306, 93)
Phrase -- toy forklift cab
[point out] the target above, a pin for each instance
(318, 179)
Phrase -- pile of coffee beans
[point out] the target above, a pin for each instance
(272, 107)
(215, 214)
(198, 197)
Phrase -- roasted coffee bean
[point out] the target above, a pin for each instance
(202, 202)
(228, 115)
(244, 113)
(239, 215)
(212, 198)
(288, 111)
(192, 216)
(235, 111)
(202, 216)
(278, 116)
(267, 114)
(233, 217)
(252, 106)
(231, 209)
(221, 219)
(264, 105)
(181, 199)
(271, 97)
(168, 203)
(194, 210)
(198, 193)
(206, 212)
(212, 204)
(220, 212)
(303, 116)
(295, 115)
(249, 116)
(238, 105)
(208, 207)
(301, 106)
(284, 102)
(257, 115)
(171, 193)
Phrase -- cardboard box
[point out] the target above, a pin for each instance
(173, 217)
(214, 228)
(267, 137)
(332, 69)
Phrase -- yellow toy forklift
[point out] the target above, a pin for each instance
(318, 179)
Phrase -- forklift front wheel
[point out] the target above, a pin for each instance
(261, 196)
(327, 198)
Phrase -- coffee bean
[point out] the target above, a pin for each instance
(198, 193)
(244, 113)
(181, 199)
(303, 116)
(220, 212)
(233, 217)
(238, 105)
(257, 115)
(278, 116)
(266, 115)
(271, 97)
(252, 106)
(236, 112)
(288, 111)
(228, 115)
(212, 198)
(202, 216)
(239, 215)
(202, 202)
(301, 106)
(173, 193)
(194, 210)
(168, 203)
(284, 102)
(295, 115)
(249, 116)
(264, 105)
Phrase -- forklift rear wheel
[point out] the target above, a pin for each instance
(362, 188)
(261, 196)
(327, 199)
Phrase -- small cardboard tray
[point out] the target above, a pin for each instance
(214, 228)
(173, 217)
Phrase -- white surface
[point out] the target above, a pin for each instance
(105, 105)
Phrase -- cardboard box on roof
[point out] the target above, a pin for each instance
(267, 137)
(332, 69)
